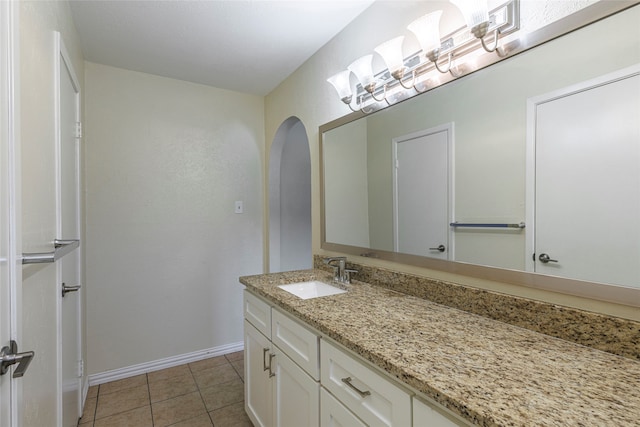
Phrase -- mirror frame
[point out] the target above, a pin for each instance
(592, 290)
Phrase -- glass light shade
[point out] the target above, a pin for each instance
(391, 52)
(475, 12)
(342, 83)
(363, 70)
(427, 31)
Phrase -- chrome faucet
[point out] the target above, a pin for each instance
(341, 273)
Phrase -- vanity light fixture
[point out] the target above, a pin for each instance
(363, 69)
(341, 82)
(391, 53)
(427, 31)
(374, 88)
(476, 15)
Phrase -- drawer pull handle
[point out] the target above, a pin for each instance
(362, 394)
(264, 358)
(271, 373)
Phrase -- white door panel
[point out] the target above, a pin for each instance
(587, 183)
(10, 240)
(69, 228)
(422, 187)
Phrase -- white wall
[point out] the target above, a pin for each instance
(38, 21)
(165, 161)
(381, 22)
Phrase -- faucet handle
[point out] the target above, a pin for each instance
(347, 274)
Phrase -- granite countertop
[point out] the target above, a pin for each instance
(489, 372)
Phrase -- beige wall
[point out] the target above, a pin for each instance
(382, 21)
(38, 21)
(165, 161)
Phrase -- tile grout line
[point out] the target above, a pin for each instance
(153, 423)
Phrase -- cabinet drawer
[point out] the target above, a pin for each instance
(372, 397)
(427, 414)
(334, 414)
(258, 313)
(296, 341)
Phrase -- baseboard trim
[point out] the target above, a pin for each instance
(169, 362)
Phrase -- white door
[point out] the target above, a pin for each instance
(10, 268)
(69, 228)
(587, 181)
(422, 192)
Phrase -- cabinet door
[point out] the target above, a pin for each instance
(258, 395)
(334, 413)
(296, 394)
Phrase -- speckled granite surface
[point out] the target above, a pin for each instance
(606, 333)
(490, 372)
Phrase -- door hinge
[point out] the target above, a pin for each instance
(78, 129)
(80, 368)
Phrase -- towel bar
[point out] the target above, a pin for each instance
(62, 247)
(485, 225)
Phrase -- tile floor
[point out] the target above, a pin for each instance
(209, 392)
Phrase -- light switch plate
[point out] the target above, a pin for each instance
(239, 207)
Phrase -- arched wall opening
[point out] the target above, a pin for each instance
(290, 198)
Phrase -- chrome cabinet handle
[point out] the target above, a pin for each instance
(9, 356)
(362, 394)
(271, 373)
(440, 248)
(264, 355)
(544, 258)
(66, 289)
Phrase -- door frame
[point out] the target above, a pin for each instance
(10, 291)
(62, 58)
(530, 147)
(449, 128)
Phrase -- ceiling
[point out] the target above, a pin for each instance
(248, 46)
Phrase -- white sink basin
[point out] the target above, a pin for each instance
(311, 289)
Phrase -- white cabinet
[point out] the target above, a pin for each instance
(258, 313)
(334, 413)
(278, 391)
(298, 342)
(258, 396)
(373, 398)
(428, 415)
(295, 379)
(296, 394)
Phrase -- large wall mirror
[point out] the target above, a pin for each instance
(452, 179)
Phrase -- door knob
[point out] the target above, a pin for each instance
(9, 356)
(544, 258)
(66, 289)
(440, 248)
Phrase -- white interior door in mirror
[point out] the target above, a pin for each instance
(421, 192)
(587, 181)
(69, 267)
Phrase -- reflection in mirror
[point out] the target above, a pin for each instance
(487, 114)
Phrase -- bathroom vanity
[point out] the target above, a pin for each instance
(375, 356)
